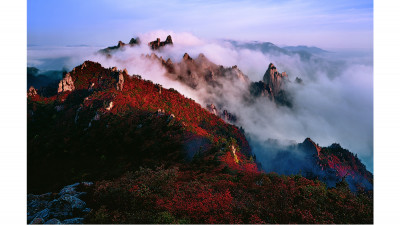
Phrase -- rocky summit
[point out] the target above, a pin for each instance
(64, 207)
(158, 44)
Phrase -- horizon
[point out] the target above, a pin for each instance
(333, 25)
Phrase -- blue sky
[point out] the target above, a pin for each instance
(326, 24)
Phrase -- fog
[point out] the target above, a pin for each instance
(334, 104)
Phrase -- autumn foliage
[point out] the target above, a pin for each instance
(159, 157)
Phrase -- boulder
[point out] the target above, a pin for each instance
(70, 189)
(60, 209)
(32, 92)
(37, 221)
(44, 214)
(213, 109)
(75, 202)
(53, 221)
(76, 220)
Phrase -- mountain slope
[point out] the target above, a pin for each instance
(158, 157)
(142, 122)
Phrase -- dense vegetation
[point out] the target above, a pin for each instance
(158, 157)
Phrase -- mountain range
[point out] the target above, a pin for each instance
(156, 156)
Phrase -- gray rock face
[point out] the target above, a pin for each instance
(76, 220)
(60, 209)
(66, 84)
(53, 221)
(52, 208)
(274, 80)
(44, 214)
(36, 204)
(70, 189)
(197, 71)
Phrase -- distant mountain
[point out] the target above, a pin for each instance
(39, 79)
(299, 48)
(329, 164)
(119, 46)
(265, 47)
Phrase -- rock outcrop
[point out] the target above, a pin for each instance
(120, 83)
(273, 87)
(157, 43)
(274, 80)
(195, 71)
(32, 92)
(212, 109)
(66, 84)
(120, 44)
(225, 115)
(64, 207)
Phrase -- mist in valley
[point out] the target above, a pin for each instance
(332, 104)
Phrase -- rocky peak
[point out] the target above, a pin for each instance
(273, 79)
(212, 109)
(186, 57)
(311, 146)
(134, 41)
(120, 44)
(120, 83)
(66, 84)
(32, 92)
(168, 40)
(157, 43)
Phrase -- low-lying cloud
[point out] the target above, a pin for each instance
(334, 104)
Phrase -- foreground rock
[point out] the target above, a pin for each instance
(64, 207)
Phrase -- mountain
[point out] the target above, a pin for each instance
(40, 79)
(299, 48)
(272, 86)
(265, 47)
(155, 156)
(119, 46)
(329, 164)
(159, 44)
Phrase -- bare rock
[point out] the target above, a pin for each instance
(66, 84)
(120, 83)
(75, 202)
(212, 109)
(134, 41)
(70, 189)
(37, 221)
(157, 43)
(273, 79)
(120, 44)
(76, 220)
(110, 106)
(187, 57)
(53, 221)
(32, 92)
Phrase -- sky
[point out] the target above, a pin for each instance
(339, 24)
